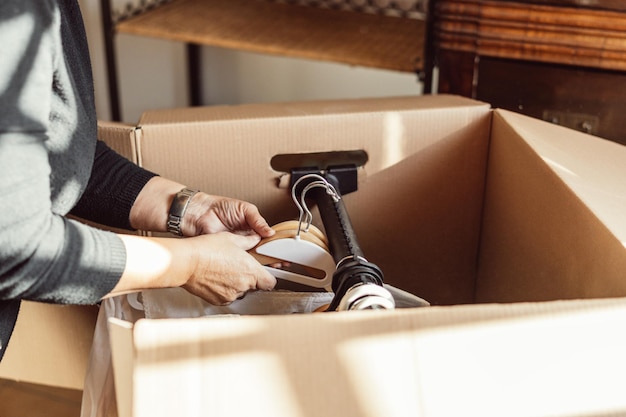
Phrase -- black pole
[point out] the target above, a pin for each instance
(194, 68)
(352, 267)
(429, 48)
(108, 29)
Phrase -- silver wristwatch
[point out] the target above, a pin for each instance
(177, 210)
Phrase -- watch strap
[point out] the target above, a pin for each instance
(178, 209)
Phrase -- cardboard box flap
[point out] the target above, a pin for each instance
(122, 354)
(515, 360)
(119, 137)
(41, 356)
(592, 167)
(550, 226)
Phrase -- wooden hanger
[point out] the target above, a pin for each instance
(299, 256)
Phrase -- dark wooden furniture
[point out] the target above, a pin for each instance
(560, 60)
(367, 33)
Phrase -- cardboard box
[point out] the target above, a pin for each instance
(511, 227)
(464, 206)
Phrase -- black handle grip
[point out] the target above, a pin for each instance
(352, 268)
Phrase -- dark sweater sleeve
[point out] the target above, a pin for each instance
(113, 187)
(43, 255)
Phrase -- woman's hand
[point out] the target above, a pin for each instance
(212, 214)
(212, 262)
(224, 270)
(215, 267)
(205, 213)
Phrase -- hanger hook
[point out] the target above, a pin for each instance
(302, 206)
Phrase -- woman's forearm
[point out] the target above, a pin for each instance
(215, 267)
(154, 263)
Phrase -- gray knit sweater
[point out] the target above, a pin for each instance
(51, 164)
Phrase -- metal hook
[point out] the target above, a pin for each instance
(302, 206)
(330, 190)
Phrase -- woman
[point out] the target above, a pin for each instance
(52, 165)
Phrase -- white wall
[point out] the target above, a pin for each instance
(152, 74)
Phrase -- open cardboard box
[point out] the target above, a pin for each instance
(511, 227)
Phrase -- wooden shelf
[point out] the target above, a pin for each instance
(352, 38)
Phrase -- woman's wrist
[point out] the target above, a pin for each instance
(177, 214)
(151, 208)
(199, 205)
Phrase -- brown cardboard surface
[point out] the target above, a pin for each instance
(557, 358)
(553, 226)
(192, 115)
(592, 167)
(119, 137)
(122, 345)
(50, 345)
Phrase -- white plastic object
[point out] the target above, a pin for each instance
(366, 296)
(302, 252)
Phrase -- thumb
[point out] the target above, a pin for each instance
(265, 280)
(245, 242)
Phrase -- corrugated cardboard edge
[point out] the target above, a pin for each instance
(122, 355)
(187, 115)
(120, 137)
